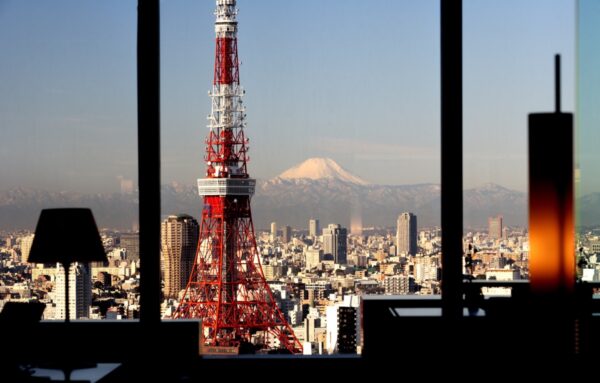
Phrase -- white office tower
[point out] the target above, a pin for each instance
(335, 242)
(332, 330)
(286, 234)
(313, 228)
(26, 243)
(313, 258)
(310, 323)
(80, 291)
(273, 231)
(406, 234)
(495, 227)
(307, 348)
(295, 316)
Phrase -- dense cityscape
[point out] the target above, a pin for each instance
(317, 274)
(314, 273)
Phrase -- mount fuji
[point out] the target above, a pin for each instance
(321, 168)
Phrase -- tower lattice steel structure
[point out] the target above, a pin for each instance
(227, 288)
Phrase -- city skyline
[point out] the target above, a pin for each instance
(70, 97)
(277, 290)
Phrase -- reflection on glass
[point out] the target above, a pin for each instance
(587, 167)
(508, 70)
(68, 117)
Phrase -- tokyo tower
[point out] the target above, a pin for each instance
(227, 289)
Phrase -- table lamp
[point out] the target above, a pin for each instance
(65, 236)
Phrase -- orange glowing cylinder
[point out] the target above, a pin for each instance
(551, 221)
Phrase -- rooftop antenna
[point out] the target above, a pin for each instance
(557, 82)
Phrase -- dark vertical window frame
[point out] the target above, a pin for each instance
(148, 77)
(452, 157)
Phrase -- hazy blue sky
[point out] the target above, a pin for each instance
(588, 94)
(357, 81)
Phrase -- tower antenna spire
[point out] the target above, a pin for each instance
(557, 82)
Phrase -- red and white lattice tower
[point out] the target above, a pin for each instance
(227, 289)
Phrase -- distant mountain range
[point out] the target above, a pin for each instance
(20, 208)
(338, 196)
(318, 188)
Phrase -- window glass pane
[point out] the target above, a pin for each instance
(68, 117)
(587, 173)
(343, 120)
(509, 50)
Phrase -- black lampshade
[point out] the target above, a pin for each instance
(66, 236)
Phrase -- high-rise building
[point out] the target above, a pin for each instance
(179, 242)
(313, 227)
(310, 323)
(26, 243)
(286, 234)
(406, 234)
(131, 243)
(495, 227)
(505, 233)
(80, 291)
(347, 322)
(397, 284)
(273, 231)
(273, 272)
(335, 242)
(392, 250)
(313, 258)
(342, 329)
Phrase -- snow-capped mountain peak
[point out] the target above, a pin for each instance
(321, 168)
